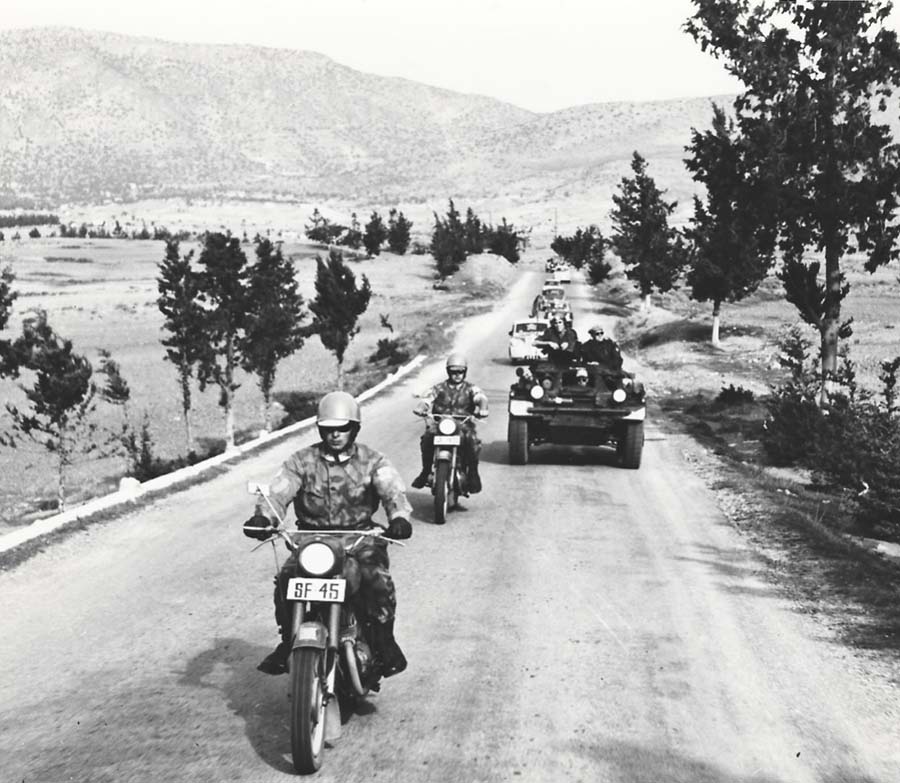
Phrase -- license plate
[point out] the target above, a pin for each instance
(308, 589)
(446, 440)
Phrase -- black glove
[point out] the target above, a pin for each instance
(398, 528)
(258, 527)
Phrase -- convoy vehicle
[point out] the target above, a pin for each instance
(550, 301)
(547, 404)
(522, 335)
(562, 274)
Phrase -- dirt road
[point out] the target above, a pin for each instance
(576, 622)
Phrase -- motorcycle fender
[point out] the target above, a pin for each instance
(443, 455)
(311, 635)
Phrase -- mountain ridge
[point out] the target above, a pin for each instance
(87, 115)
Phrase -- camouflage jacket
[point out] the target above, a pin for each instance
(460, 399)
(338, 492)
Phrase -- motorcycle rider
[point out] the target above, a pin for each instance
(458, 397)
(337, 484)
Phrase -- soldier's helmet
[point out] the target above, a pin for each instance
(456, 361)
(337, 409)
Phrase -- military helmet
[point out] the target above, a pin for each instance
(336, 409)
(457, 361)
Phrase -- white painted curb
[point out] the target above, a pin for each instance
(131, 491)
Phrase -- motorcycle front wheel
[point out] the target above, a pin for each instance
(441, 492)
(307, 709)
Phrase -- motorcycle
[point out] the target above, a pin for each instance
(448, 471)
(331, 661)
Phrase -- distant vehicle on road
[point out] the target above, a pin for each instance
(522, 335)
(562, 274)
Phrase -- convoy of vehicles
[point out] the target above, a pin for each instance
(522, 335)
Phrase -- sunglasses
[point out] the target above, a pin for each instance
(343, 428)
(456, 372)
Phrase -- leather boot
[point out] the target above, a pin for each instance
(388, 652)
(427, 456)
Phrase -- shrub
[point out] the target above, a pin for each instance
(392, 350)
(734, 395)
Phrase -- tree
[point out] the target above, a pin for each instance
(731, 246)
(585, 246)
(274, 328)
(503, 241)
(8, 365)
(651, 251)
(814, 74)
(222, 284)
(61, 397)
(337, 307)
(474, 234)
(398, 232)
(448, 246)
(177, 284)
(318, 231)
(353, 237)
(376, 234)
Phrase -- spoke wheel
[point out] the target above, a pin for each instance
(441, 492)
(307, 709)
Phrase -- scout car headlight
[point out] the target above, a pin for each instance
(446, 426)
(537, 392)
(619, 395)
(317, 558)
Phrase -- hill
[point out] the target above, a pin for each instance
(88, 115)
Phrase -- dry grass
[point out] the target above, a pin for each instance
(804, 531)
(105, 298)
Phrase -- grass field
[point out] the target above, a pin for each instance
(102, 294)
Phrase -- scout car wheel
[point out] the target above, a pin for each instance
(632, 445)
(518, 441)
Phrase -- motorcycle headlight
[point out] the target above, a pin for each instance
(446, 426)
(317, 558)
(537, 392)
(619, 395)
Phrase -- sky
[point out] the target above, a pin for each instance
(541, 55)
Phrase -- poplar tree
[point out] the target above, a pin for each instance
(731, 248)
(818, 78)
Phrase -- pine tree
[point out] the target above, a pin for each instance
(652, 252)
(376, 234)
(178, 301)
(448, 242)
(503, 241)
(274, 328)
(353, 237)
(222, 284)
(399, 228)
(474, 241)
(8, 364)
(61, 397)
(337, 307)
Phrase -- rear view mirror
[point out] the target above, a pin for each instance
(255, 488)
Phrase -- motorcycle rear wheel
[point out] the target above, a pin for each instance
(441, 492)
(307, 709)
